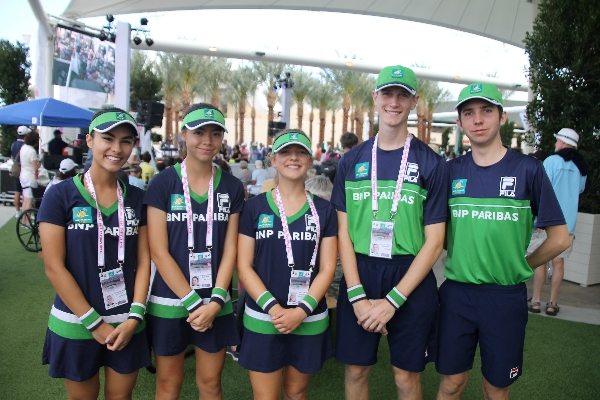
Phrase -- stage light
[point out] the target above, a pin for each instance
(149, 41)
(137, 40)
(102, 36)
(143, 21)
(110, 18)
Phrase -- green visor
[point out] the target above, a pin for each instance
(110, 119)
(482, 91)
(290, 138)
(204, 116)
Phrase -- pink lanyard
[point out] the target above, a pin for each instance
(399, 181)
(188, 209)
(100, 222)
(286, 230)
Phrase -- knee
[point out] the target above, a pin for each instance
(295, 393)
(406, 380)
(168, 386)
(209, 386)
(451, 385)
(355, 373)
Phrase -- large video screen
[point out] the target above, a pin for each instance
(82, 61)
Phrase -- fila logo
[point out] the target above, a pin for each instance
(310, 223)
(223, 202)
(412, 172)
(514, 372)
(508, 185)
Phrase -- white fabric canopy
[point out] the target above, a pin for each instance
(503, 20)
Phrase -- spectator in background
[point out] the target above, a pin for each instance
(57, 145)
(30, 164)
(66, 170)
(259, 175)
(244, 174)
(135, 174)
(15, 150)
(348, 141)
(567, 171)
(147, 168)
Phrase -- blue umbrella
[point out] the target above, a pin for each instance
(45, 112)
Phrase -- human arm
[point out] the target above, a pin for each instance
(557, 241)
(383, 310)
(123, 333)
(202, 318)
(53, 242)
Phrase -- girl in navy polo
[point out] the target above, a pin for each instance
(95, 251)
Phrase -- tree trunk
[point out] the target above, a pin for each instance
(311, 119)
(345, 112)
(242, 112)
(215, 98)
(333, 127)
(253, 116)
(421, 120)
(322, 116)
(371, 123)
(360, 121)
(168, 116)
(300, 114)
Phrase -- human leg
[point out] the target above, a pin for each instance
(295, 384)
(118, 386)
(491, 392)
(169, 376)
(266, 385)
(557, 278)
(539, 276)
(84, 390)
(209, 367)
(408, 384)
(452, 386)
(356, 382)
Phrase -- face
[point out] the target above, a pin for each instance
(111, 149)
(292, 162)
(203, 143)
(393, 104)
(480, 121)
(559, 145)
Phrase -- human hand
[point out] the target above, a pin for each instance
(121, 335)
(289, 319)
(201, 319)
(375, 319)
(102, 332)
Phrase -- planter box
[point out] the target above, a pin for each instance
(583, 265)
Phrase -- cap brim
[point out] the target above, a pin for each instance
(107, 126)
(494, 102)
(293, 143)
(405, 87)
(200, 123)
(566, 139)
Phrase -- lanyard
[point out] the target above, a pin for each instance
(100, 222)
(188, 209)
(286, 230)
(399, 181)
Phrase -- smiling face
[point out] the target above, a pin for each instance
(480, 121)
(111, 149)
(203, 143)
(393, 104)
(292, 162)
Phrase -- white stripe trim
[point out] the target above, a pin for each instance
(167, 301)
(488, 205)
(266, 317)
(72, 318)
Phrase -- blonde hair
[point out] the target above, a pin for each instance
(319, 185)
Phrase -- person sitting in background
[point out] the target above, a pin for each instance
(259, 175)
(135, 176)
(66, 170)
(57, 145)
(244, 173)
(348, 141)
(147, 168)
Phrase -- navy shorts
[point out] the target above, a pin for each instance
(18, 187)
(411, 331)
(268, 353)
(80, 360)
(171, 336)
(493, 315)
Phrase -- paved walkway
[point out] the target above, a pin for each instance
(577, 303)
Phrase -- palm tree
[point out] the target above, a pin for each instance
(303, 84)
(321, 98)
(269, 74)
(243, 82)
(168, 69)
(346, 82)
(430, 96)
(362, 101)
(216, 72)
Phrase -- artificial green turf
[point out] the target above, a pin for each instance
(562, 359)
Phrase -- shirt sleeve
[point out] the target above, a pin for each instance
(338, 195)
(331, 224)
(545, 205)
(53, 208)
(435, 209)
(157, 195)
(237, 197)
(247, 219)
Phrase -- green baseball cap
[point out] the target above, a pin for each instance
(292, 137)
(204, 116)
(480, 90)
(397, 75)
(108, 119)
